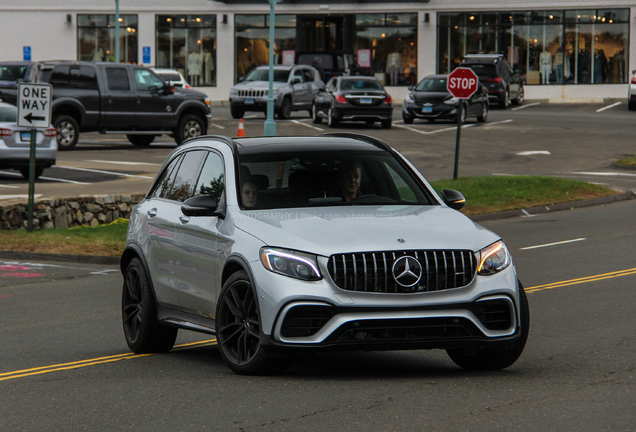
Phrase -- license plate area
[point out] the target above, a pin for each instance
(427, 110)
(249, 101)
(25, 136)
(365, 100)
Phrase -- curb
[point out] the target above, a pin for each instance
(110, 260)
(629, 195)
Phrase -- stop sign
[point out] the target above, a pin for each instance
(462, 83)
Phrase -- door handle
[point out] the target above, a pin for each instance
(152, 212)
(184, 219)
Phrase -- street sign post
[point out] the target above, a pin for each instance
(34, 111)
(462, 83)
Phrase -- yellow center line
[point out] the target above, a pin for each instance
(91, 362)
(594, 278)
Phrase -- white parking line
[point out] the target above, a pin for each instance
(217, 126)
(604, 174)
(309, 126)
(526, 106)
(10, 187)
(553, 244)
(499, 122)
(535, 152)
(609, 106)
(431, 132)
(121, 162)
(104, 172)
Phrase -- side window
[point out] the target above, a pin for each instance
(212, 178)
(181, 189)
(83, 77)
(165, 180)
(60, 76)
(117, 78)
(406, 193)
(145, 78)
(298, 76)
(309, 75)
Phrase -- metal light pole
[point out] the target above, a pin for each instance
(270, 124)
(116, 31)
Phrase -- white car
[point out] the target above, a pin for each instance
(631, 94)
(172, 77)
(15, 144)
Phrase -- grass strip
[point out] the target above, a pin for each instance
(628, 161)
(483, 195)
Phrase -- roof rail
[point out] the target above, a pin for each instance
(366, 138)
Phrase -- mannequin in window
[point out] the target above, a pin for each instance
(194, 67)
(393, 67)
(557, 66)
(545, 60)
(208, 67)
(98, 55)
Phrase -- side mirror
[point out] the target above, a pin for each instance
(168, 89)
(297, 80)
(204, 205)
(453, 199)
(241, 79)
(153, 89)
(322, 89)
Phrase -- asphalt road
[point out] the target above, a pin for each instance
(64, 364)
(572, 141)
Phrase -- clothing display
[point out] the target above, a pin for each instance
(207, 67)
(194, 68)
(545, 60)
(557, 65)
(393, 67)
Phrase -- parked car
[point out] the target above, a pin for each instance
(172, 77)
(631, 93)
(504, 84)
(14, 72)
(294, 90)
(285, 244)
(353, 99)
(121, 98)
(15, 144)
(431, 100)
(329, 63)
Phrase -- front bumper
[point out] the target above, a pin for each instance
(253, 103)
(435, 111)
(19, 157)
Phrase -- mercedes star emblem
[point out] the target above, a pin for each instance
(407, 271)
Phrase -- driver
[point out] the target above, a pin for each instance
(349, 177)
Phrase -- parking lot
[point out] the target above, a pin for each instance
(579, 141)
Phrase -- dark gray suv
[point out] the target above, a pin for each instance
(504, 84)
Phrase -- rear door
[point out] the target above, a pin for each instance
(154, 107)
(118, 100)
(84, 78)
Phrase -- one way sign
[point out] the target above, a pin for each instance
(34, 105)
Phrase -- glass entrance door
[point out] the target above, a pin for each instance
(322, 33)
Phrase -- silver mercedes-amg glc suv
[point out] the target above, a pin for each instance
(280, 244)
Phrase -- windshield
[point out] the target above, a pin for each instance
(12, 73)
(169, 76)
(263, 75)
(326, 178)
(484, 70)
(432, 85)
(360, 84)
(8, 114)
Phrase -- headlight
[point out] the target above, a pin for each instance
(493, 259)
(275, 92)
(409, 99)
(233, 91)
(290, 263)
(452, 101)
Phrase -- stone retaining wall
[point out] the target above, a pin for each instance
(52, 213)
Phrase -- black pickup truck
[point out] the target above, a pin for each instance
(119, 98)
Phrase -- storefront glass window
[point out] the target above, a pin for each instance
(391, 42)
(546, 47)
(252, 40)
(187, 43)
(96, 38)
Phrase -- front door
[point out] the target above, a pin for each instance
(154, 107)
(118, 100)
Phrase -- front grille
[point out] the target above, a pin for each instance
(253, 93)
(305, 321)
(412, 329)
(493, 314)
(373, 271)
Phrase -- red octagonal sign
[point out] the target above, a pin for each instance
(462, 83)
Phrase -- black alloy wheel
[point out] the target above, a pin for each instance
(484, 113)
(144, 334)
(67, 132)
(520, 97)
(500, 357)
(140, 140)
(331, 120)
(238, 330)
(503, 104)
(285, 109)
(386, 124)
(189, 126)
(314, 115)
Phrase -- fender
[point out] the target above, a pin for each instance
(85, 120)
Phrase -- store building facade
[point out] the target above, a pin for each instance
(565, 50)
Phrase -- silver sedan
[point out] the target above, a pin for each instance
(15, 142)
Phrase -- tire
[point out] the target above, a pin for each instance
(332, 121)
(314, 115)
(25, 172)
(67, 132)
(238, 330)
(144, 334)
(520, 97)
(631, 105)
(140, 140)
(503, 104)
(496, 358)
(237, 113)
(407, 119)
(284, 111)
(483, 118)
(386, 124)
(189, 126)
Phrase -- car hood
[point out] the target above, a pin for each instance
(328, 230)
(431, 97)
(189, 93)
(258, 85)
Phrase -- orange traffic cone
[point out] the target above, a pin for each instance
(241, 129)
